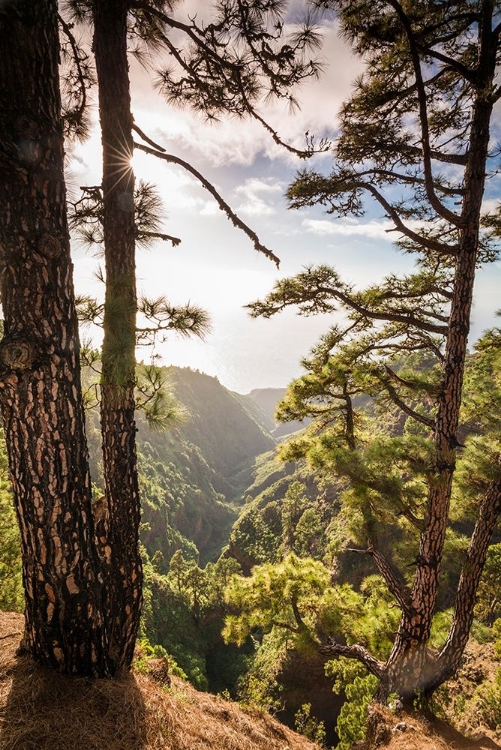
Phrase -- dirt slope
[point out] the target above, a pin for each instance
(40, 710)
(409, 732)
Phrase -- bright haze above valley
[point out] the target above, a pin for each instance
(216, 266)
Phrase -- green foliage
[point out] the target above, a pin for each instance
(233, 437)
(482, 402)
(183, 613)
(310, 727)
(497, 632)
(87, 214)
(270, 596)
(292, 513)
(258, 693)
(190, 473)
(359, 434)
(490, 703)
(145, 653)
(302, 526)
(297, 596)
(168, 622)
(11, 588)
(380, 618)
(155, 399)
(479, 464)
(488, 607)
(359, 687)
(487, 696)
(260, 684)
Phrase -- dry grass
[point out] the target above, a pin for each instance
(411, 732)
(41, 710)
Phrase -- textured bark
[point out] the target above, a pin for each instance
(40, 393)
(450, 656)
(412, 667)
(119, 525)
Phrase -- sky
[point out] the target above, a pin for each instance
(216, 266)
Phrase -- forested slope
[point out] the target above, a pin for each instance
(193, 474)
(214, 484)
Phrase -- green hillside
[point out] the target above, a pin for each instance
(218, 422)
(193, 476)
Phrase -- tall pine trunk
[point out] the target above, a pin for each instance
(40, 394)
(119, 528)
(412, 667)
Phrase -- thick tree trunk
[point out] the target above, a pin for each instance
(40, 393)
(119, 530)
(411, 668)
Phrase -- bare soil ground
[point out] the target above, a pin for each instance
(410, 732)
(463, 696)
(41, 710)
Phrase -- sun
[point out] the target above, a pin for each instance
(120, 164)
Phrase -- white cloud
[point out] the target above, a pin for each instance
(490, 205)
(256, 207)
(372, 229)
(255, 185)
(210, 208)
(238, 142)
(254, 204)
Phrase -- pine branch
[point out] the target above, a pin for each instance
(430, 423)
(324, 145)
(146, 139)
(318, 293)
(310, 188)
(234, 69)
(459, 160)
(333, 649)
(161, 236)
(437, 205)
(401, 592)
(407, 383)
(188, 30)
(232, 216)
(286, 626)
(74, 84)
(391, 175)
(456, 65)
(188, 320)
(78, 62)
(416, 346)
(407, 318)
(297, 616)
(430, 244)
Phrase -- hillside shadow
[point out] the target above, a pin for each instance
(459, 741)
(47, 711)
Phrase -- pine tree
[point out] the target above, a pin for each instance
(81, 564)
(40, 397)
(120, 524)
(414, 138)
(119, 215)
